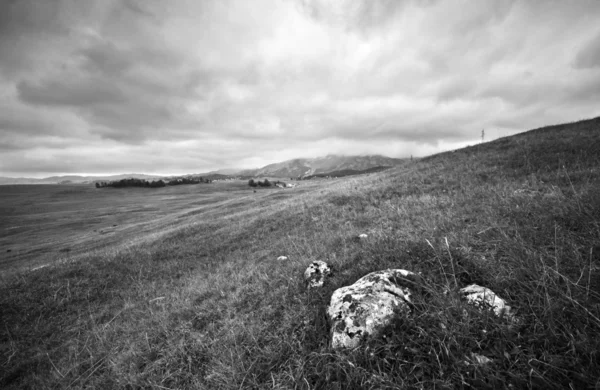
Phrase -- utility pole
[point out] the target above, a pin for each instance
(482, 135)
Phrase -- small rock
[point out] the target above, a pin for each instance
(316, 273)
(362, 236)
(478, 359)
(282, 258)
(365, 307)
(482, 296)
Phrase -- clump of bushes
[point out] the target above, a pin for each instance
(265, 183)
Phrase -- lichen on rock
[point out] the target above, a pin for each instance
(364, 308)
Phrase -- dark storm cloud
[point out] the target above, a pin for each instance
(126, 95)
(186, 85)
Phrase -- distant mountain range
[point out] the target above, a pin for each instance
(330, 165)
(70, 179)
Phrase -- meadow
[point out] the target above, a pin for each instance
(192, 296)
(45, 224)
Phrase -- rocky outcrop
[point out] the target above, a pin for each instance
(316, 273)
(365, 307)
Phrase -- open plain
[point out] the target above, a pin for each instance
(45, 224)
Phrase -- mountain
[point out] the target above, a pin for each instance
(304, 167)
(226, 171)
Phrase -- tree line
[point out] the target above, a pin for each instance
(151, 184)
(264, 183)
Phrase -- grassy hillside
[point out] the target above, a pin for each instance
(207, 305)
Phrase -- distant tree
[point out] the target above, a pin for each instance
(264, 183)
(97, 185)
(252, 183)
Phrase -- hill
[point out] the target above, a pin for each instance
(347, 172)
(310, 167)
(207, 305)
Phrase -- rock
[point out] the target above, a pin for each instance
(316, 273)
(484, 297)
(364, 308)
(477, 359)
(362, 236)
(282, 258)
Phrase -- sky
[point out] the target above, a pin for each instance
(189, 86)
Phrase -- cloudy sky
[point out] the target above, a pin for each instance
(153, 86)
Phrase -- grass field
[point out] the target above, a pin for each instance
(189, 294)
(43, 224)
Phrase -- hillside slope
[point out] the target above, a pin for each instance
(209, 306)
(308, 167)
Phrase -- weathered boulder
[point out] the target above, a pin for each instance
(364, 308)
(362, 236)
(316, 273)
(484, 297)
(282, 258)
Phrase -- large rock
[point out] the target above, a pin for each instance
(364, 308)
(486, 298)
(316, 273)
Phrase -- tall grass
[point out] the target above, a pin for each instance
(208, 306)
